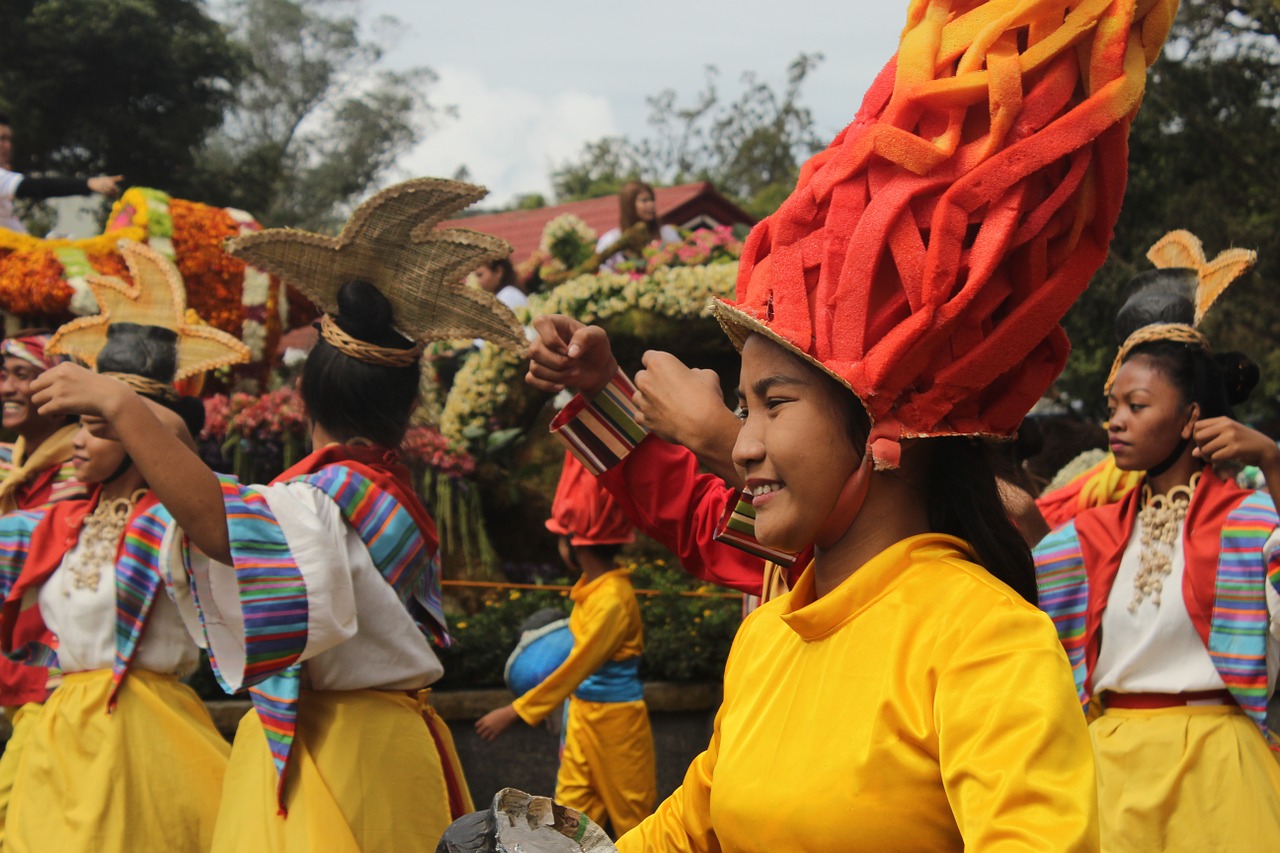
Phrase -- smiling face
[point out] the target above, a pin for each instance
(794, 450)
(15, 394)
(95, 459)
(1148, 415)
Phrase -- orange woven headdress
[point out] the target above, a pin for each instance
(926, 257)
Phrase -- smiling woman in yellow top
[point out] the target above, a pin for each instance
(904, 301)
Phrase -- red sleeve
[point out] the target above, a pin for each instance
(659, 487)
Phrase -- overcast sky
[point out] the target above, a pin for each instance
(533, 81)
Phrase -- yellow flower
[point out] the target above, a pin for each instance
(459, 625)
(515, 594)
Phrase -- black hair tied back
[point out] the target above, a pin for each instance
(1239, 375)
(365, 314)
(351, 398)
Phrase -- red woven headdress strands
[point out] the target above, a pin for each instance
(926, 257)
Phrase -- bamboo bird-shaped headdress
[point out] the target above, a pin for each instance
(143, 335)
(392, 242)
(1169, 302)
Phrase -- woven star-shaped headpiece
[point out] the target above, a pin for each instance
(392, 242)
(1182, 249)
(156, 297)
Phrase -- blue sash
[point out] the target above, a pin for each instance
(616, 681)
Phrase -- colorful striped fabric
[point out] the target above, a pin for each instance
(273, 592)
(65, 485)
(394, 542)
(273, 602)
(1238, 637)
(738, 528)
(1239, 623)
(15, 541)
(603, 430)
(1064, 595)
(137, 581)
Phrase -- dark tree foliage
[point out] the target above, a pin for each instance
(317, 123)
(114, 86)
(1204, 156)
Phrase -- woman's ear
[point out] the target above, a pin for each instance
(1189, 429)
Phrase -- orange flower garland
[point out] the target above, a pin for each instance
(31, 284)
(41, 280)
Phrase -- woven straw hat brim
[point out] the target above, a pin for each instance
(739, 326)
(392, 242)
(157, 297)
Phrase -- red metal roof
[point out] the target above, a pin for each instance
(676, 206)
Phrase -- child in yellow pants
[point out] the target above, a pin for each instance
(607, 765)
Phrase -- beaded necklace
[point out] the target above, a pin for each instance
(99, 541)
(1161, 518)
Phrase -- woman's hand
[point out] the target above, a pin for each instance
(69, 389)
(1225, 440)
(684, 405)
(494, 723)
(568, 354)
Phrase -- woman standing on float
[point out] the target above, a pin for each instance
(907, 694)
(320, 590)
(1168, 601)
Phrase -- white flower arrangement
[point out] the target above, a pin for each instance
(483, 389)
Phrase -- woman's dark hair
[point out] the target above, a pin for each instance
(627, 196)
(1157, 296)
(506, 272)
(1215, 382)
(963, 501)
(191, 410)
(150, 351)
(351, 398)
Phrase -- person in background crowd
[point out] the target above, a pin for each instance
(499, 278)
(342, 751)
(636, 204)
(15, 185)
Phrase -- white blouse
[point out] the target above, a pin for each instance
(359, 635)
(1157, 649)
(84, 621)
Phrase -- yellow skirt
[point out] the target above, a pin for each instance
(21, 718)
(145, 777)
(364, 777)
(1197, 779)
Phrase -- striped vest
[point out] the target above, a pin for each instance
(32, 546)
(1223, 538)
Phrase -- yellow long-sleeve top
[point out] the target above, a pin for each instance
(606, 626)
(920, 705)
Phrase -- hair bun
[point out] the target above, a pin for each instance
(191, 410)
(1240, 375)
(365, 314)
